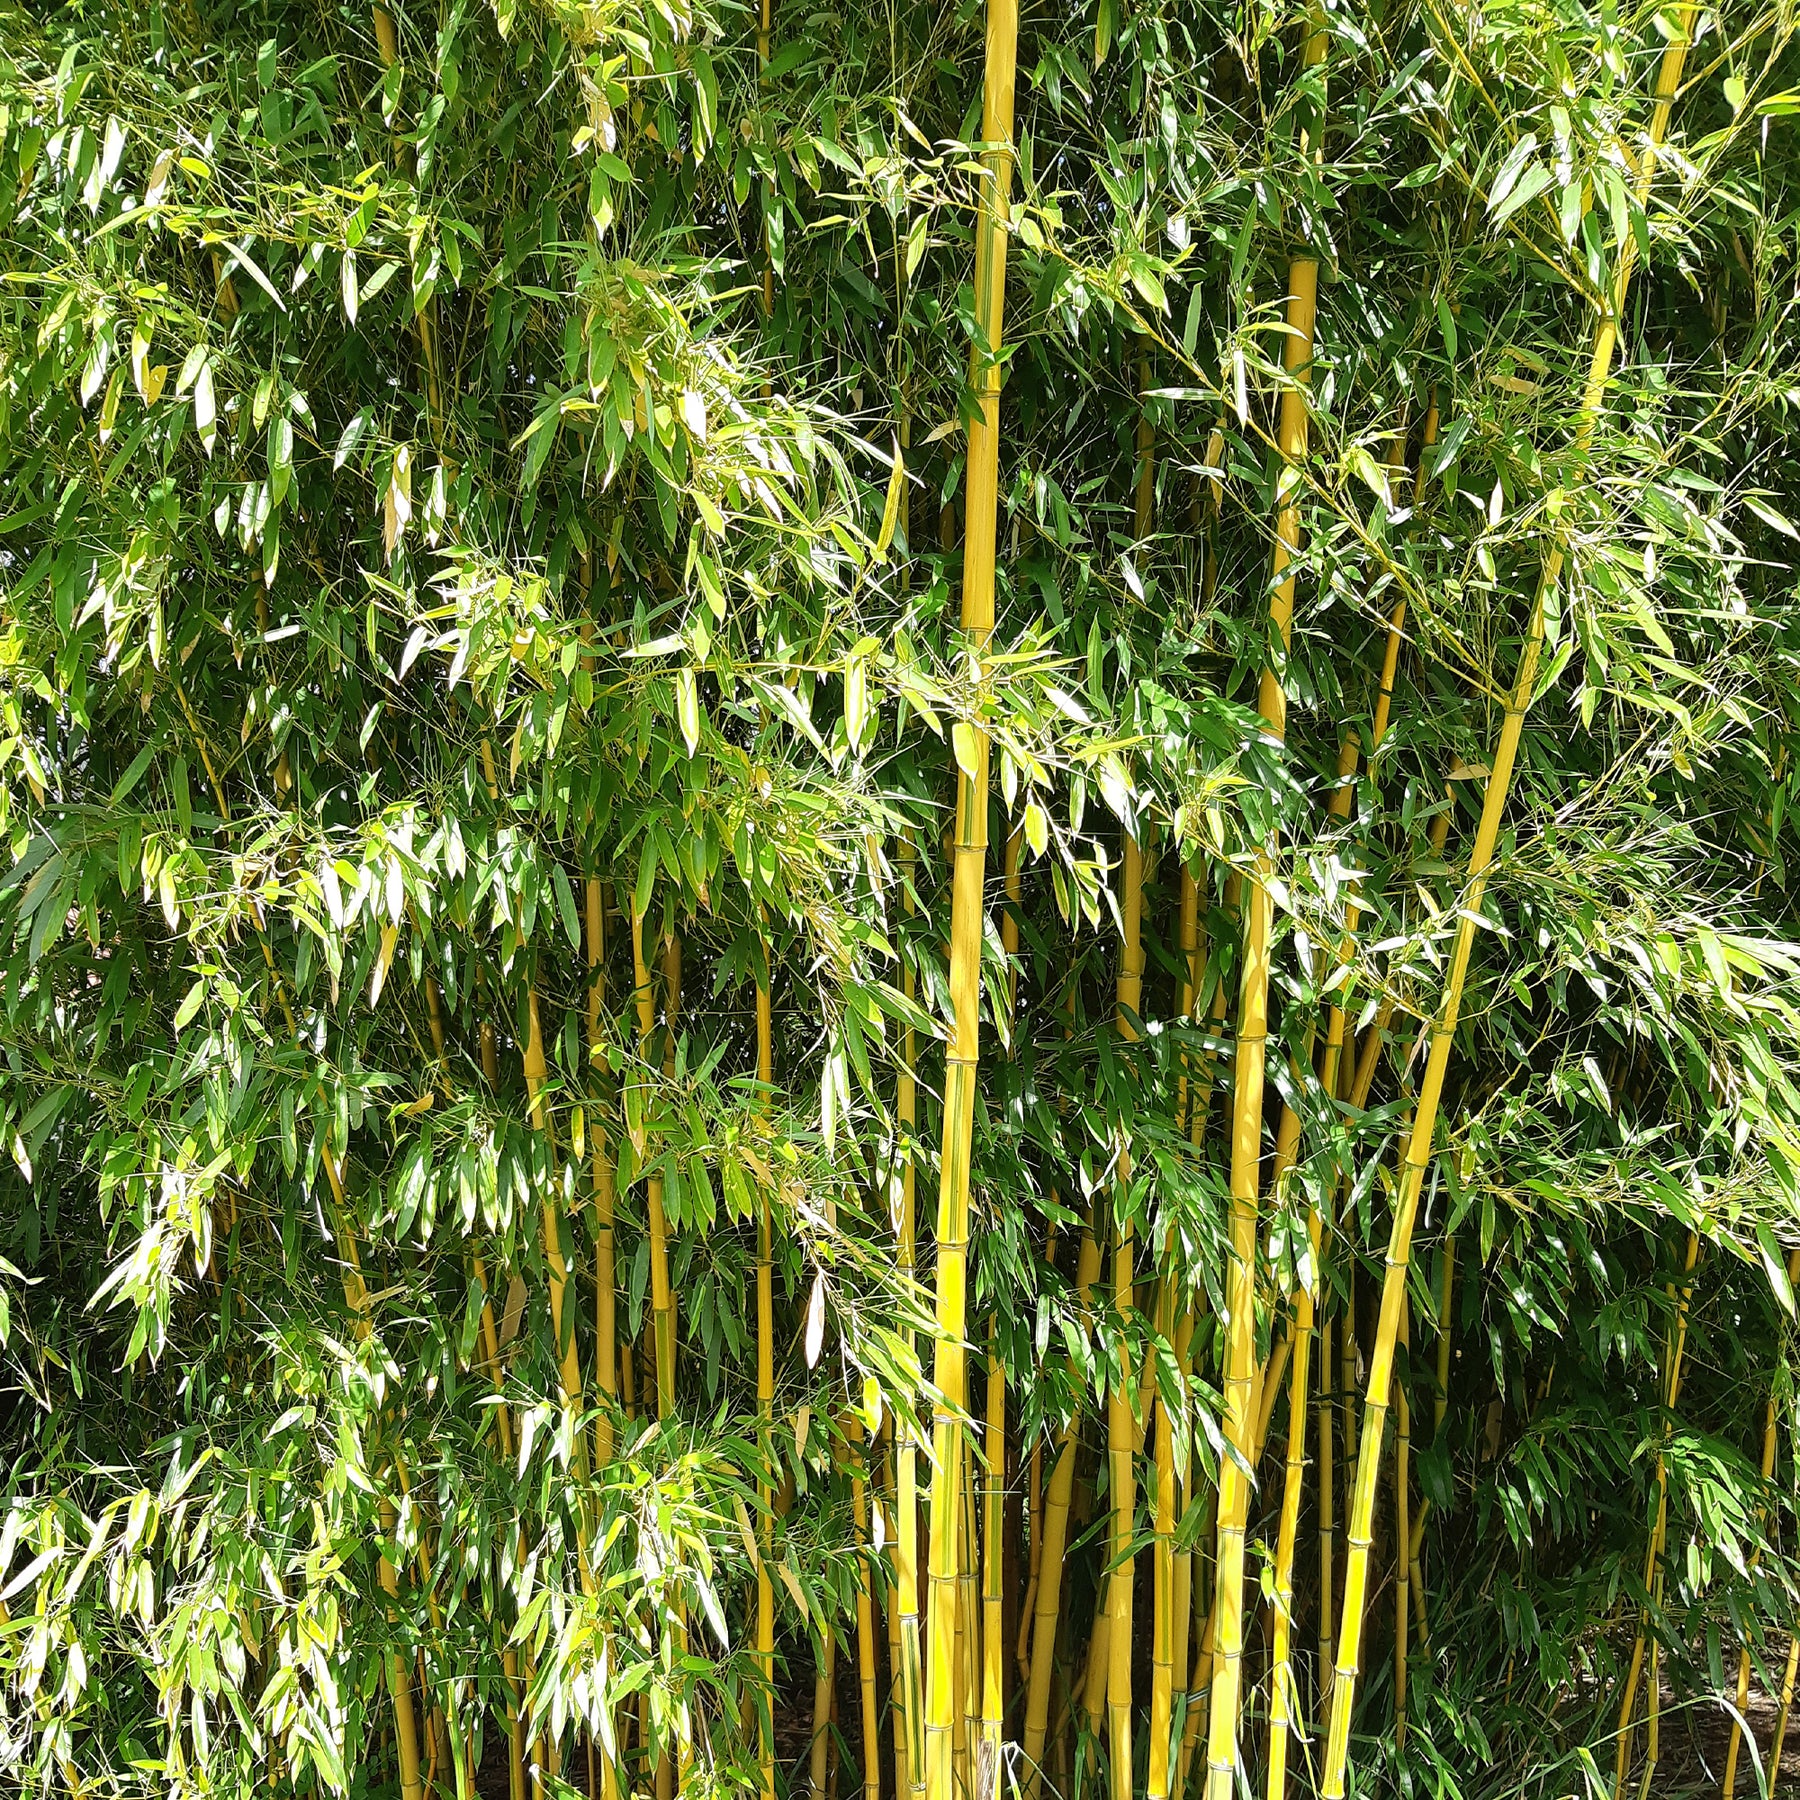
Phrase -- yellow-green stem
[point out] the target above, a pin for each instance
(967, 910)
(1443, 1026)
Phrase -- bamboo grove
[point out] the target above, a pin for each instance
(897, 897)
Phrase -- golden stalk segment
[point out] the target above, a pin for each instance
(1165, 1647)
(662, 1304)
(967, 911)
(1674, 1351)
(865, 1615)
(606, 1286)
(1443, 1027)
(968, 1625)
(765, 1417)
(1235, 1476)
(1283, 1701)
(1057, 1497)
(1781, 1716)
(1770, 1440)
(1402, 1538)
(909, 1730)
(406, 1728)
(1121, 1421)
(606, 1342)
(989, 1770)
(562, 1316)
(356, 1297)
(824, 1679)
(765, 1228)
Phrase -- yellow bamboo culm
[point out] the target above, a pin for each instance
(1673, 1353)
(765, 1418)
(988, 1762)
(562, 1315)
(1283, 1700)
(967, 910)
(1199, 1103)
(968, 1625)
(606, 1332)
(1781, 1716)
(1057, 1497)
(406, 1729)
(662, 1303)
(824, 1680)
(606, 1342)
(865, 1615)
(1769, 1444)
(1402, 1539)
(989, 1768)
(1443, 1027)
(1121, 1423)
(356, 1295)
(1251, 1056)
(909, 1731)
(1165, 1646)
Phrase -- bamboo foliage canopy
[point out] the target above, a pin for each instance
(635, 636)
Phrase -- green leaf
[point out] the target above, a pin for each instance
(190, 1004)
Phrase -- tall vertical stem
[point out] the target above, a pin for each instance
(1443, 1026)
(765, 1413)
(988, 1769)
(1252, 1047)
(1769, 1443)
(962, 1059)
(865, 1616)
(1121, 1422)
(662, 1302)
(1056, 1537)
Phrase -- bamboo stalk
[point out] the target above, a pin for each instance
(562, 1316)
(909, 1735)
(1653, 1563)
(406, 1729)
(968, 1624)
(1164, 1645)
(1402, 1541)
(1235, 1476)
(606, 1337)
(765, 1415)
(962, 1059)
(824, 1679)
(1443, 1028)
(1056, 1526)
(988, 1769)
(865, 1616)
(1121, 1424)
(1781, 1716)
(662, 1303)
(993, 1529)
(1283, 1703)
(1769, 1443)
